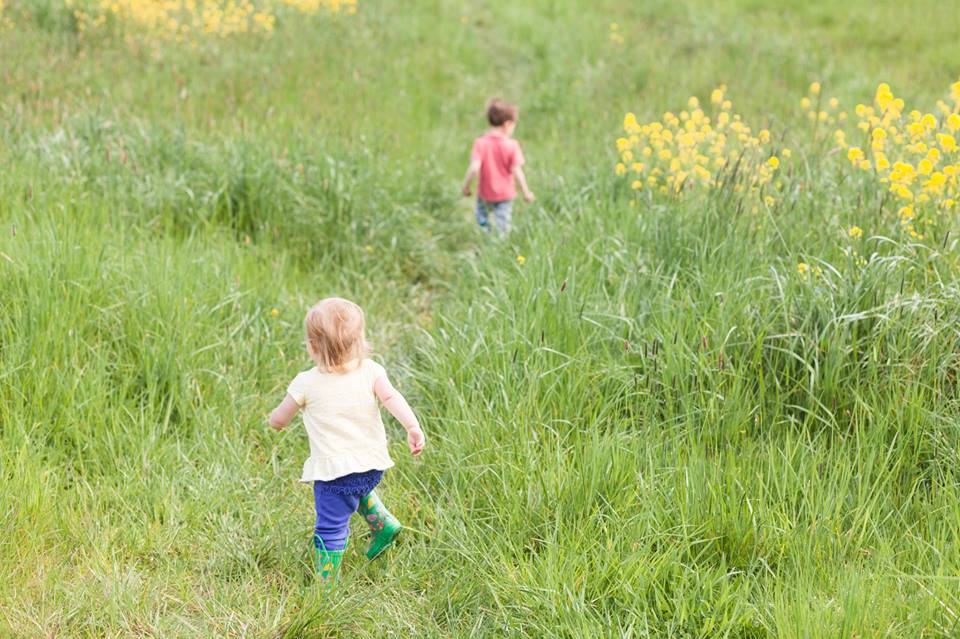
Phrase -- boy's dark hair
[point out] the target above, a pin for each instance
(499, 112)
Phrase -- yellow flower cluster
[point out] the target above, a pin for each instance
(915, 155)
(695, 150)
(855, 233)
(314, 6)
(5, 21)
(806, 270)
(857, 259)
(182, 19)
(820, 110)
(615, 36)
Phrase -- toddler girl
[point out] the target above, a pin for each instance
(348, 445)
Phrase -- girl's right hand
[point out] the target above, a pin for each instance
(416, 440)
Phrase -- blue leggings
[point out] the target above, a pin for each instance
(335, 501)
(333, 518)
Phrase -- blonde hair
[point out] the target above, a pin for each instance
(336, 334)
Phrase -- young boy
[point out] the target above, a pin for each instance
(496, 158)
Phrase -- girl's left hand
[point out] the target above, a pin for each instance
(416, 440)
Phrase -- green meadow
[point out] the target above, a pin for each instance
(651, 425)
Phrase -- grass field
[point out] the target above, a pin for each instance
(652, 425)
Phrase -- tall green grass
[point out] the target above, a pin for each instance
(653, 426)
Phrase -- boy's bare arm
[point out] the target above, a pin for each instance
(522, 179)
(472, 172)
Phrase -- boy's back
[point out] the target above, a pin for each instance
(498, 156)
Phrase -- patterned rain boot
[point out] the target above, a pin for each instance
(328, 562)
(384, 527)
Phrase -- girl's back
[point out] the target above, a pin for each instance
(342, 420)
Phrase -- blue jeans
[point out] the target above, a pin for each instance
(502, 214)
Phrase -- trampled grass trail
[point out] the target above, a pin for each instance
(644, 418)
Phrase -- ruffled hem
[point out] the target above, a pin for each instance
(332, 468)
(352, 484)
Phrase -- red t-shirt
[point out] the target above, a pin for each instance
(498, 155)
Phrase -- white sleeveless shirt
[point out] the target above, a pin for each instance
(342, 419)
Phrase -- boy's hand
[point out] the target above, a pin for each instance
(528, 196)
(416, 440)
(466, 190)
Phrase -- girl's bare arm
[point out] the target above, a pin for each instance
(283, 414)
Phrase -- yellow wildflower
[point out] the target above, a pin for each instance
(947, 142)
(855, 232)
(936, 182)
(521, 260)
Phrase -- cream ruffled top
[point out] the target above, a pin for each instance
(342, 418)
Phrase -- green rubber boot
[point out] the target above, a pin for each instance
(384, 527)
(328, 563)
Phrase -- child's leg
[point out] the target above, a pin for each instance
(333, 518)
(384, 527)
(503, 215)
(482, 215)
(331, 530)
